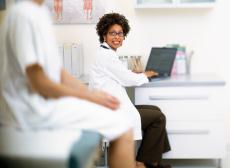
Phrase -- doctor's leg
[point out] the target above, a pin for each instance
(155, 140)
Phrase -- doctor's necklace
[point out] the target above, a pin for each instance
(104, 47)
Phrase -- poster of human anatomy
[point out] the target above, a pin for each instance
(76, 11)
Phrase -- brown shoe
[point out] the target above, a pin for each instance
(164, 166)
(158, 166)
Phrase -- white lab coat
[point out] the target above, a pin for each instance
(28, 39)
(109, 74)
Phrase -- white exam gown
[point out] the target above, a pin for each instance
(27, 38)
(109, 74)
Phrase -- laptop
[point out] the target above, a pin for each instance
(161, 60)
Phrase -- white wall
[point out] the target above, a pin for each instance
(206, 31)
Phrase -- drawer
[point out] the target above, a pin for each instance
(184, 103)
(177, 93)
(171, 93)
(182, 110)
(194, 140)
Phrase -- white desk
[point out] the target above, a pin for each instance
(192, 107)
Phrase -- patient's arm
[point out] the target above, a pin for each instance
(68, 80)
(96, 96)
(69, 86)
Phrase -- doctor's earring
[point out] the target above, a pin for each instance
(104, 37)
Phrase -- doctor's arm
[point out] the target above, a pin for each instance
(150, 73)
(69, 86)
(126, 77)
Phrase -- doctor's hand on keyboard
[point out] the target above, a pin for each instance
(104, 99)
(150, 74)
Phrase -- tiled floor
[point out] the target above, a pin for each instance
(193, 164)
(182, 163)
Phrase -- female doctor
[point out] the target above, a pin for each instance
(110, 75)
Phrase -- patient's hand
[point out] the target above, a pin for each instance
(137, 71)
(150, 73)
(103, 99)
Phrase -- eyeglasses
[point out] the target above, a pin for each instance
(114, 34)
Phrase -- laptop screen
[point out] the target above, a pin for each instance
(161, 60)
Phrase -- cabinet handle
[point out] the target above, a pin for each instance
(179, 97)
(191, 131)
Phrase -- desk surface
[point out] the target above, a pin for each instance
(187, 80)
(179, 80)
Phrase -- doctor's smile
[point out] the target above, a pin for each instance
(114, 37)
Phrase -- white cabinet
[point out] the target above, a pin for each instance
(174, 3)
(192, 107)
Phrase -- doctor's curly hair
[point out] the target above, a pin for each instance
(109, 20)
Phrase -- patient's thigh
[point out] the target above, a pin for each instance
(74, 113)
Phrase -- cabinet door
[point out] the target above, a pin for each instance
(183, 103)
(194, 140)
(154, 1)
(174, 3)
(197, 1)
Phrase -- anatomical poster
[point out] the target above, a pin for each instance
(75, 11)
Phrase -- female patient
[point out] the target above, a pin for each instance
(109, 74)
(42, 95)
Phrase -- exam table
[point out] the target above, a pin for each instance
(48, 149)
